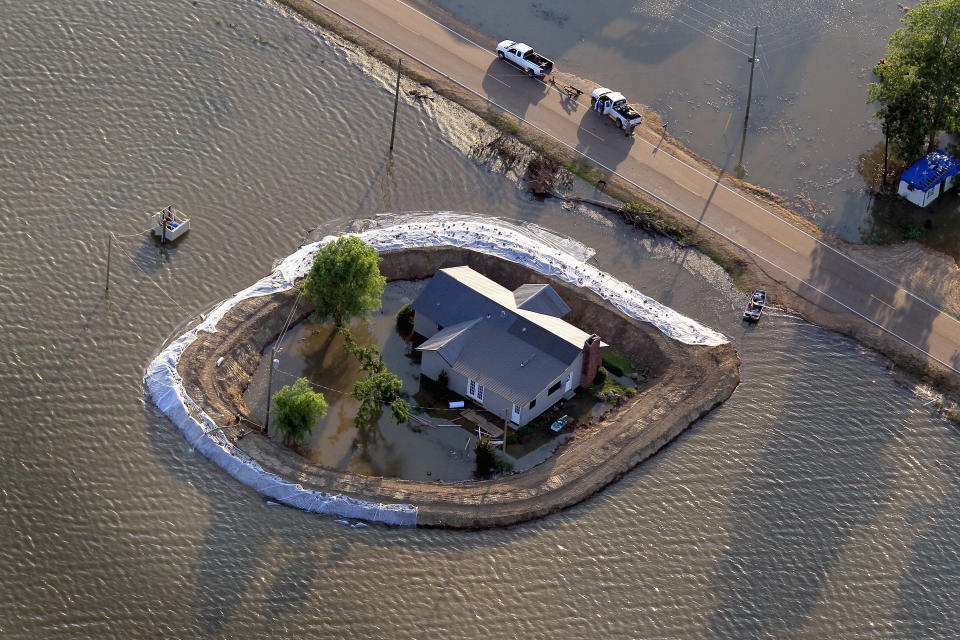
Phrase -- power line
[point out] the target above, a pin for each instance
(712, 37)
(720, 24)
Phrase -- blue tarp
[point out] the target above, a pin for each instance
(930, 170)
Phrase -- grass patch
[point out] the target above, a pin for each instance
(609, 384)
(735, 268)
(618, 363)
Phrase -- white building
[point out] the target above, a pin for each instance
(928, 177)
(509, 351)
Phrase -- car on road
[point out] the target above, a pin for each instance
(523, 56)
(615, 106)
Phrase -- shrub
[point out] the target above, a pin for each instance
(601, 376)
(297, 409)
(443, 379)
(405, 318)
(486, 458)
(617, 363)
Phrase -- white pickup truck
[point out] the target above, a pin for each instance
(523, 56)
(614, 105)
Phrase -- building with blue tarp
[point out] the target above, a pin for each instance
(928, 177)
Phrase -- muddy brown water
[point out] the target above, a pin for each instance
(315, 351)
(821, 500)
(810, 128)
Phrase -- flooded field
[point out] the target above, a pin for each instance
(811, 135)
(821, 500)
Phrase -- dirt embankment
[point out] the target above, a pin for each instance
(747, 272)
(685, 383)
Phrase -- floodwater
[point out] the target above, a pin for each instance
(820, 501)
(316, 352)
(810, 122)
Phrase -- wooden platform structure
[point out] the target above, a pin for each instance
(484, 424)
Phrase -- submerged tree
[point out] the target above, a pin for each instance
(919, 81)
(379, 389)
(344, 281)
(297, 409)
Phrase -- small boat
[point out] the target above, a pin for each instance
(755, 306)
(169, 224)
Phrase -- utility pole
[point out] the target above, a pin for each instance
(753, 65)
(886, 141)
(396, 103)
(109, 247)
(506, 430)
(274, 363)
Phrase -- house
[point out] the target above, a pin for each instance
(928, 177)
(509, 351)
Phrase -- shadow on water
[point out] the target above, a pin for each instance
(790, 527)
(893, 219)
(248, 542)
(926, 601)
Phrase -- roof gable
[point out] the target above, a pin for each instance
(503, 363)
(540, 298)
(449, 342)
(459, 294)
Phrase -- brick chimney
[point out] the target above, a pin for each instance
(592, 357)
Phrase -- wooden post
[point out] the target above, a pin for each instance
(886, 140)
(266, 420)
(506, 430)
(109, 247)
(746, 118)
(396, 103)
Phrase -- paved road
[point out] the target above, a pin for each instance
(807, 266)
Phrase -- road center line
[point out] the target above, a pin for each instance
(784, 244)
(882, 302)
(499, 80)
(593, 134)
(410, 30)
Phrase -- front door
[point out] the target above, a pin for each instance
(569, 384)
(475, 390)
(516, 414)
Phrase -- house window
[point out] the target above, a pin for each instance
(554, 388)
(533, 403)
(475, 390)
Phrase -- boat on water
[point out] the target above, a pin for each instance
(169, 224)
(755, 306)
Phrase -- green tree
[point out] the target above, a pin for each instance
(485, 457)
(379, 389)
(296, 410)
(919, 82)
(344, 281)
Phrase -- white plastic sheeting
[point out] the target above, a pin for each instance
(534, 250)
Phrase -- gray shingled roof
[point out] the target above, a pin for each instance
(458, 294)
(504, 364)
(540, 298)
(449, 342)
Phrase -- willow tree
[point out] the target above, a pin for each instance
(919, 81)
